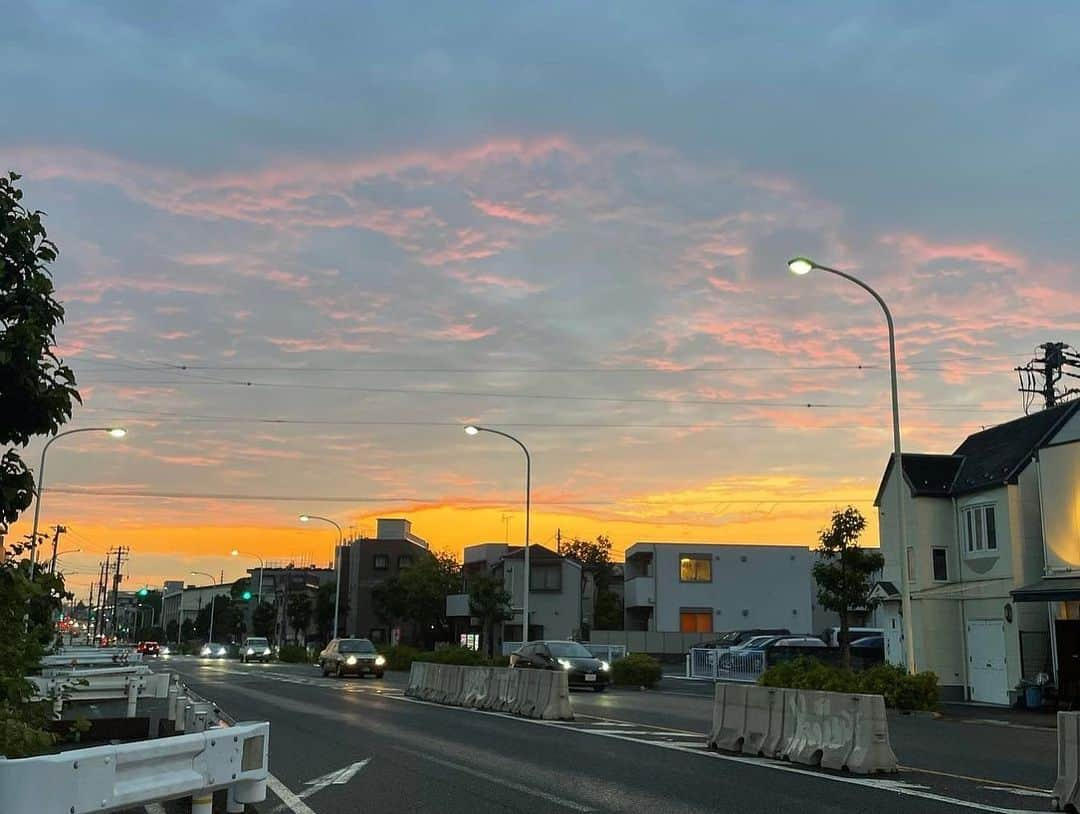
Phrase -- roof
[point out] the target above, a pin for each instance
(536, 552)
(1049, 589)
(992, 457)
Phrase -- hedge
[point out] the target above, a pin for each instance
(900, 690)
(293, 654)
(454, 655)
(637, 670)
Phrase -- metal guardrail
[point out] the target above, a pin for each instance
(725, 664)
(114, 777)
(106, 684)
(91, 657)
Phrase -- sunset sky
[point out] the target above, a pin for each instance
(302, 245)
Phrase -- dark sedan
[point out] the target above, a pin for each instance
(583, 670)
(344, 657)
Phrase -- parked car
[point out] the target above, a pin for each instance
(149, 648)
(869, 648)
(212, 650)
(256, 648)
(831, 636)
(351, 656)
(582, 668)
(734, 638)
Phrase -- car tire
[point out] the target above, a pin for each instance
(325, 672)
(340, 671)
(378, 675)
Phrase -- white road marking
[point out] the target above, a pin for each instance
(1019, 792)
(490, 778)
(897, 787)
(294, 803)
(1009, 725)
(338, 777)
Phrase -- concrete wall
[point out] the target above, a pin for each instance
(752, 586)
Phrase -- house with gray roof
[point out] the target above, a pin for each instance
(992, 556)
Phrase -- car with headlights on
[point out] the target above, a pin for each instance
(344, 657)
(213, 650)
(583, 669)
(256, 648)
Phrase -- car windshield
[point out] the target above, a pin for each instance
(256, 642)
(568, 650)
(356, 646)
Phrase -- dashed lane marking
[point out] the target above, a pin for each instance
(294, 803)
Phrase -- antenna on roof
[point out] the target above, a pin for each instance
(1043, 375)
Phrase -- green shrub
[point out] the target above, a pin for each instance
(400, 656)
(293, 654)
(500, 661)
(453, 655)
(637, 670)
(900, 690)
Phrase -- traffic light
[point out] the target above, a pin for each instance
(143, 591)
(246, 596)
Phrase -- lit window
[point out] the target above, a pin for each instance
(695, 568)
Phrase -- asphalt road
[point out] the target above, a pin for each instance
(339, 747)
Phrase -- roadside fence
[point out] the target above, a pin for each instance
(725, 664)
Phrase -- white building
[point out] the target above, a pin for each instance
(707, 587)
(993, 543)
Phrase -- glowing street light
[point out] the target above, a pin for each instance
(802, 266)
(307, 518)
(472, 429)
(114, 432)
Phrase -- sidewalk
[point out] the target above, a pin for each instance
(1011, 716)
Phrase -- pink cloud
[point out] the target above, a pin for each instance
(477, 280)
(924, 250)
(505, 211)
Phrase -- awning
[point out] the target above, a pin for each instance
(1049, 589)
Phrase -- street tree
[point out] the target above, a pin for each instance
(417, 594)
(845, 572)
(187, 631)
(324, 609)
(489, 602)
(172, 631)
(228, 619)
(298, 610)
(595, 559)
(264, 620)
(37, 392)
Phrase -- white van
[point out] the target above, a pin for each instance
(831, 636)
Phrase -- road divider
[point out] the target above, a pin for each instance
(814, 728)
(542, 694)
(1067, 788)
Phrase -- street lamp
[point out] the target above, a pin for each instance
(307, 518)
(472, 429)
(262, 567)
(213, 601)
(802, 266)
(114, 432)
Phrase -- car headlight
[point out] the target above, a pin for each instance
(221, 651)
(164, 651)
(350, 660)
(250, 652)
(566, 665)
(205, 651)
(605, 666)
(266, 652)
(380, 661)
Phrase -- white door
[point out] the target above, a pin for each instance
(986, 661)
(894, 639)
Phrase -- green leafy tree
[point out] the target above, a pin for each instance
(489, 602)
(595, 559)
(237, 589)
(172, 631)
(37, 392)
(264, 620)
(187, 631)
(417, 594)
(228, 620)
(845, 572)
(324, 609)
(299, 610)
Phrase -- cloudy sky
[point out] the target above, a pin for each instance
(302, 245)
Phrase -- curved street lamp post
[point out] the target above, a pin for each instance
(213, 601)
(307, 518)
(115, 432)
(472, 429)
(801, 266)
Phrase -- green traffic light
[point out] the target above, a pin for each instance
(246, 595)
(143, 591)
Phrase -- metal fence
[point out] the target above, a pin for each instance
(725, 665)
(607, 652)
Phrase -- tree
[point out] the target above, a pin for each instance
(187, 631)
(237, 589)
(264, 620)
(595, 559)
(845, 572)
(417, 594)
(298, 610)
(489, 602)
(37, 392)
(171, 631)
(324, 610)
(228, 619)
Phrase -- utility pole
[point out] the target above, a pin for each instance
(558, 542)
(55, 542)
(99, 620)
(121, 552)
(1043, 374)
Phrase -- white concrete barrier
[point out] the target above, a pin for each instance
(814, 728)
(1067, 786)
(530, 693)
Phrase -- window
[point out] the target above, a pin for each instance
(381, 562)
(695, 568)
(545, 577)
(910, 564)
(980, 530)
(404, 561)
(695, 620)
(941, 564)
